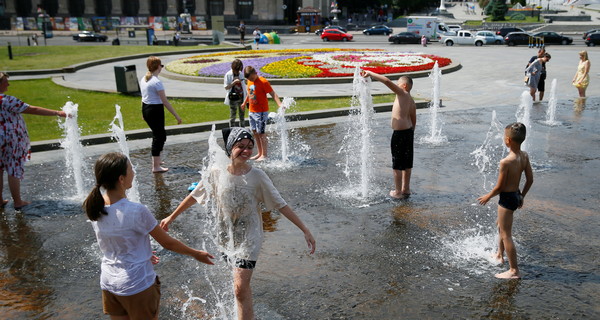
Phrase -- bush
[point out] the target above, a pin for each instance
(518, 16)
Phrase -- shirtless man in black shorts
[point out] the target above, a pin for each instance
(404, 120)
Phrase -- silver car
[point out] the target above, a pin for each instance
(487, 37)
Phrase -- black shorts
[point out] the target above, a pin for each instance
(542, 84)
(402, 149)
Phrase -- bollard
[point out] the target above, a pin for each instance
(10, 51)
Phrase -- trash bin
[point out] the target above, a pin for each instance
(131, 33)
(126, 78)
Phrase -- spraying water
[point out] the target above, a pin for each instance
(435, 122)
(361, 111)
(281, 127)
(551, 112)
(118, 133)
(524, 116)
(74, 152)
(488, 155)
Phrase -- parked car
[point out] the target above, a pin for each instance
(487, 37)
(379, 29)
(517, 38)
(89, 36)
(336, 35)
(585, 34)
(405, 37)
(319, 31)
(551, 37)
(461, 37)
(592, 39)
(504, 31)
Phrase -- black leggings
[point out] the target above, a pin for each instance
(154, 115)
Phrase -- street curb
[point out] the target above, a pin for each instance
(48, 145)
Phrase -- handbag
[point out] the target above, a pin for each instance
(234, 96)
(526, 79)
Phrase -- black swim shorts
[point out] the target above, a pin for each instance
(402, 149)
(510, 200)
(239, 263)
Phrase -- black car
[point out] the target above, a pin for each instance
(585, 34)
(551, 37)
(592, 39)
(319, 31)
(504, 31)
(516, 38)
(89, 36)
(379, 29)
(405, 37)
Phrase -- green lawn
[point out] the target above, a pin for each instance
(50, 57)
(96, 109)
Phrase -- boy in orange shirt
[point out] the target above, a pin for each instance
(258, 88)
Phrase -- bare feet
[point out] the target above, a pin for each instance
(4, 202)
(160, 170)
(21, 204)
(399, 195)
(508, 275)
(255, 157)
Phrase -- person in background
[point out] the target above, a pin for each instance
(581, 80)
(235, 85)
(154, 100)
(14, 141)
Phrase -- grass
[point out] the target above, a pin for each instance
(51, 57)
(96, 109)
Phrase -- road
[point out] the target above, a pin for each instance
(288, 39)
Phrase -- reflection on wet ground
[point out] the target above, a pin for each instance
(426, 257)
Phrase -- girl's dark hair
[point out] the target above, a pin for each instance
(237, 66)
(108, 168)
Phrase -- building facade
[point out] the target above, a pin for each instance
(251, 11)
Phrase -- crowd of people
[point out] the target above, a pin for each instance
(131, 288)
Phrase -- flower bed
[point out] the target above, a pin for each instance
(307, 63)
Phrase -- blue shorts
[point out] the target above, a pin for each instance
(258, 121)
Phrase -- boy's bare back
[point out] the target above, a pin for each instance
(513, 166)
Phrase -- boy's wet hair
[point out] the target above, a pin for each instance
(516, 132)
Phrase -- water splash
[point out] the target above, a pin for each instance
(118, 133)
(435, 136)
(524, 116)
(358, 169)
(74, 152)
(551, 112)
(488, 155)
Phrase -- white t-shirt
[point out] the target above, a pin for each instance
(123, 236)
(239, 199)
(150, 90)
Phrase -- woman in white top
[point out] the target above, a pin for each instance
(239, 191)
(235, 85)
(130, 288)
(154, 100)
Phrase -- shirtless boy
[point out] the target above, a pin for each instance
(509, 178)
(404, 120)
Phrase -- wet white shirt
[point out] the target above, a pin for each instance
(123, 236)
(239, 201)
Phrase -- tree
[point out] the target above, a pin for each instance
(499, 9)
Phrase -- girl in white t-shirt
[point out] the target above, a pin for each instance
(239, 190)
(154, 100)
(130, 288)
